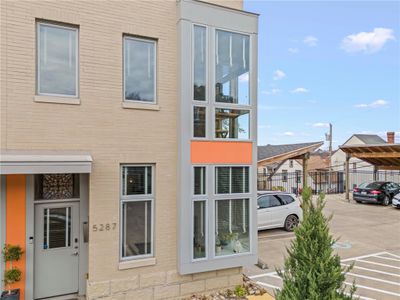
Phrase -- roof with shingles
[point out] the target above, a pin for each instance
(370, 139)
(268, 151)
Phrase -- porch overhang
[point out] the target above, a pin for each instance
(44, 163)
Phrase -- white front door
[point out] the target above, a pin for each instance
(56, 266)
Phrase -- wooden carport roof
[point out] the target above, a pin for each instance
(382, 156)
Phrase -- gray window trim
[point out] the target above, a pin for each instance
(147, 40)
(50, 24)
(136, 198)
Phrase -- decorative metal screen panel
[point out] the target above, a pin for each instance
(56, 186)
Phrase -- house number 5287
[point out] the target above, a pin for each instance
(104, 227)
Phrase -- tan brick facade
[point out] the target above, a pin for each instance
(99, 125)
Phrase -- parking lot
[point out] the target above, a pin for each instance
(369, 238)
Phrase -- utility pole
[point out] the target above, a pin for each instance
(328, 137)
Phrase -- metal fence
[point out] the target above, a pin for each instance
(322, 181)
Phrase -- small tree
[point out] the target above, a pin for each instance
(12, 274)
(312, 271)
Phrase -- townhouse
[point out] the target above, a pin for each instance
(128, 146)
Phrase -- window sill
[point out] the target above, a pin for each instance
(136, 263)
(144, 106)
(58, 100)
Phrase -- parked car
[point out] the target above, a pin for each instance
(396, 200)
(376, 192)
(278, 209)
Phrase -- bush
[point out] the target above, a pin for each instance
(312, 271)
(240, 291)
(12, 276)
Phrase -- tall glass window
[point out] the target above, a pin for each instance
(136, 211)
(199, 229)
(139, 69)
(57, 65)
(231, 180)
(231, 226)
(200, 62)
(232, 67)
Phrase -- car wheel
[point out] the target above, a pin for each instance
(358, 201)
(291, 222)
(386, 201)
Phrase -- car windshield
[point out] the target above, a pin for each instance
(363, 185)
(373, 185)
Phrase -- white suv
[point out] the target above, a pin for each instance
(277, 210)
(396, 200)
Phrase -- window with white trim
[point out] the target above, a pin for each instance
(231, 180)
(199, 180)
(231, 226)
(199, 63)
(57, 60)
(199, 229)
(137, 201)
(139, 69)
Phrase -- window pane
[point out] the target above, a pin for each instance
(139, 66)
(232, 67)
(240, 180)
(136, 228)
(56, 186)
(199, 52)
(57, 65)
(199, 229)
(136, 180)
(57, 228)
(231, 180)
(232, 123)
(232, 226)
(199, 122)
(199, 180)
(222, 178)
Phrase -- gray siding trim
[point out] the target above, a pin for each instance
(2, 220)
(30, 232)
(44, 167)
(189, 13)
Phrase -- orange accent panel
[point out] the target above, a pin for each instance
(221, 152)
(16, 221)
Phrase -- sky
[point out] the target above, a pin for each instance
(322, 62)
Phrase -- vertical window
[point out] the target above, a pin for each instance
(291, 163)
(139, 69)
(57, 60)
(137, 211)
(298, 176)
(231, 226)
(232, 67)
(232, 123)
(200, 62)
(284, 175)
(231, 180)
(200, 180)
(199, 122)
(199, 229)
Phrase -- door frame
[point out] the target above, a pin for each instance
(30, 231)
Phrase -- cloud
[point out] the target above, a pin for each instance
(367, 42)
(320, 125)
(299, 90)
(310, 41)
(288, 133)
(272, 92)
(293, 50)
(279, 74)
(375, 104)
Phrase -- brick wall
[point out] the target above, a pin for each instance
(100, 126)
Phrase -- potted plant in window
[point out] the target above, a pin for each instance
(12, 274)
(218, 245)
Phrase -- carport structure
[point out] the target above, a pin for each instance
(382, 157)
(270, 154)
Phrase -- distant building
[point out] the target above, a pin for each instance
(338, 158)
